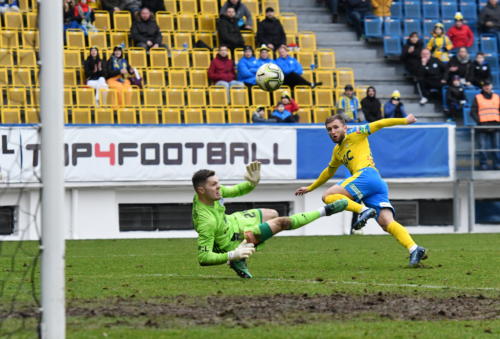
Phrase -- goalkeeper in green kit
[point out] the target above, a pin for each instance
(231, 238)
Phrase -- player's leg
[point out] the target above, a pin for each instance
(268, 214)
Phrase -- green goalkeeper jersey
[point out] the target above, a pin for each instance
(217, 232)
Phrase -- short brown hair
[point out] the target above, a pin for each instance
(335, 117)
(201, 176)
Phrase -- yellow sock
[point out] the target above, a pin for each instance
(351, 205)
(401, 234)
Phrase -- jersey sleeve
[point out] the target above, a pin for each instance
(237, 190)
(379, 124)
(206, 255)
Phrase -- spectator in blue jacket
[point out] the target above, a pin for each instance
(292, 69)
(394, 108)
(281, 114)
(247, 67)
(264, 57)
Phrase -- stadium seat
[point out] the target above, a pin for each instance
(430, 9)
(448, 23)
(489, 43)
(31, 115)
(35, 97)
(109, 97)
(249, 39)
(237, 115)
(81, 116)
(239, 96)
(303, 95)
(148, 115)
(198, 77)
(22, 76)
(210, 6)
(171, 116)
(306, 59)
(448, 9)
(260, 97)
(85, 96)
(321, 113)
(155, 78)
(291, 38)
(468, 121)
(428, 27)
(170, 6)
(122, 21)
(9, 39)
(165, 21)
(13, 20)
(304, 115)
(177, 78)
(30, 39)
(253, 6)
(11, 115)
(216, 116)
(289, 22)
(98, 39)
(158, 57)
(492, 60)
(185, 22)
(207, 22)
(153, 96)
(104, 116)
(326, 59)
(392, 46)
(6, 57)
(127, 116)
(326, 77)
(344, 76)
(196, 97)
(276, 95)
(201, 58)
(238, 54)
(412, 25)
(392, 27)
(188, 6)
(75, 39)
(175, 97)
(217, 96)
(31, 20)
(118, 38)
(137, 57)
(307, 40)
(193, 116)
(179, 59)
(4, 77)
(16, 96)
(102, 21)
(205, 37)
(373, 27)
(309, 75)
(134, 96)
(323, 96)
(26, 58)
(412, 9)
(397, 10)
(469, 11)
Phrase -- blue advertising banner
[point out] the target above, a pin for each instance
(417, 152)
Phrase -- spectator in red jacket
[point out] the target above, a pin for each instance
(460, 34)
(290, 105)
(221, 71)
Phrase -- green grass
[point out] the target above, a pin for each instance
(98, 271)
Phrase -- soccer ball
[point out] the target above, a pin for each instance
(269, 77)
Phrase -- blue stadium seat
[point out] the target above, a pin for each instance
(492, 60)
(392, 27)
(373, 27)
(468, 121)
(397, 10)
(444, 103)
(448, 10)
(470, 93)
(469, 11)
(489, 43)
(495, 79)
(430, 9)
(392, 46)
(482, 3)
(429, 26)
(474, 48)
(448, 23)
(412, 9)
(412, 25)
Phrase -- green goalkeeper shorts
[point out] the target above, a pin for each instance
(247, 220)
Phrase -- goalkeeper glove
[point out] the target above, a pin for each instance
(243, 251)
(253, 173)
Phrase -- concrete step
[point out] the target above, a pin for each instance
(322, 27)
(311, 18)
(357, 54)
(327, 37)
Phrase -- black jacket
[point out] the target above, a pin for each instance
(229, 32)
(490, 13)
(479, 73)
(91, 72)
(463, 68)
(455, 94)
(143, 31)
(371, 107)
(474, 110)
(411, 60)
(154, 5)
(434, 70)
(362, 6)
(270, 31)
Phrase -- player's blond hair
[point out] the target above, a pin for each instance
(335, 117)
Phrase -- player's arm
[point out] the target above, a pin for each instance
(379, 124)
(252, 178)
(323, 177)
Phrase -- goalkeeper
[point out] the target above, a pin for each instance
(231, 238)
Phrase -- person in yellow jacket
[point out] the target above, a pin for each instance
(440, 44)
(382, 7)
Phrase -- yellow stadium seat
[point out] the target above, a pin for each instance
(85, 96)
(16, 96)
(306, 59)
(70, 77)
(182, 40)
(9, 39)
(158, 57)
(237, 115)
(209, 6)
(6, 57)
(165, 21)
(98, 39)
(166, 39)
(238, 54)
(291, 39)
(239, 96)
(206, 37)
(188, 6)
(21, 76)
(216, 116)
(304, 115)
(35, 97)
(118, 38)
(186, 22)
(148, 115)
(170, 6)
(75, 39)
(179, 59)
(260, 97)
(253, 7)
(133, 97)
(326, 59)
(201, 58)
(11, 115)
(289, 22)
(72, 58)
(198, 77)
(361, 92)
(344, 76)
(137, 57)
(30, 39)
(217, 96)
(153, 96)
(109, 97)
(207, 22)
(31, 20)
(175, 97)
(323, 96)
(122, 21)
(321, 113)
(81, 116)
(277, 93)
(177, 78)
(26, 58)
(13, 20)
(193, 116)
(127, 116)
(275, 4)
(104, 116)
(326, 77)
(249, 38)
(102, 21)
(307, 40)
(66, 115)
(4, 77)
(31, 115)
(303, 95)
(155, 78)
(196, 97)
(171, 116)
(308, 75)
(25, 5)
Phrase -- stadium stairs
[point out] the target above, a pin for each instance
(367, 60)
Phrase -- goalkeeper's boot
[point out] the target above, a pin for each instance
(363, 218)
(417, 255)
(336, 207)
(241, 269)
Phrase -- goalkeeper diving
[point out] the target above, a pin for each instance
(231, 238)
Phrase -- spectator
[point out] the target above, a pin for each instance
(479, 71)
(290, 104)
(486, 112)
(260, 115)
(382, 7)
(357, 11)
(394, 108)
(84, 15)
(145, 31)
(70, 21)
(270, 32)
(411, 53)
(440, 44)
(121, 5)
(154, 5)
(221, 71)
(228, 30)
(459, 65)
(489, 17)
(264, 57)
(134, 77)
(348, 105)
(292, 69)
(371, 106)
(333, 6)
(242, 13)
(282, 115)
(455, 99)
(430, 75)
(247, 67)
(460, 34)
(116, 73)
(9, 6)
(94, 72)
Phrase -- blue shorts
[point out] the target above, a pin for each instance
(367, 186)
